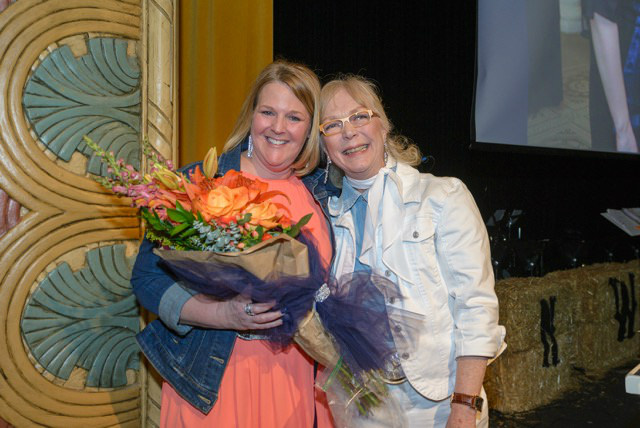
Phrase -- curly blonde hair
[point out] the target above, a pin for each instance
(306, 87)
(366, 93)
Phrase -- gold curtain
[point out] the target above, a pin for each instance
(223, 46)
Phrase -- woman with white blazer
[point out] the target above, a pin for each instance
(425, 234)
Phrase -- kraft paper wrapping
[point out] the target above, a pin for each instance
(316, 341)
(280, 255)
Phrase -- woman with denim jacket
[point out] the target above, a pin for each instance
(425, 234)
(217, 373)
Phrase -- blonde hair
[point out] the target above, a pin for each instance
(306, 87)
(365, 93)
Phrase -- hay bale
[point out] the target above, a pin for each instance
(607, 332)
(595, 298)
(598, 349)
(521, 308)
(517, 381)
(586, 328)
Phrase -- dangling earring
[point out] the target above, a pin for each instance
(386, 154)
(250, 149)
(326, 170)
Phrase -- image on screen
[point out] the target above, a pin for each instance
(561, 74)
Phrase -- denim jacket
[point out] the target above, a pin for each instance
(191, 359)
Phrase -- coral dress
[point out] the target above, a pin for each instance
(261, 387)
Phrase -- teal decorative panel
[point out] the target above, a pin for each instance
(97, 95)
(88, 319)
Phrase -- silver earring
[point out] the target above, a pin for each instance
(250, 149)
(386, 154)
(326, 170)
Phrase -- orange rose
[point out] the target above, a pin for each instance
(264, 214)
(221, 202)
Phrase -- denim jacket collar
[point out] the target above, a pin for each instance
(231, 159)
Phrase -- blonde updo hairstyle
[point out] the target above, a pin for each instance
(306, 87)
(365, 93)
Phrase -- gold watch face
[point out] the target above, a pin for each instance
(477, 403)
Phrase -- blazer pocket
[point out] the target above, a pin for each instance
(418, 238)
(418, 229)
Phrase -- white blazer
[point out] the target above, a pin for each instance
(426, 234)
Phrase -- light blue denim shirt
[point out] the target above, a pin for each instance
(356, 202)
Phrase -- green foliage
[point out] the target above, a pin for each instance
(295, 230)
(166, 233)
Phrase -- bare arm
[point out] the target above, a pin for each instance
(469, 377)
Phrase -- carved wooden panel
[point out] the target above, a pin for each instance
(68, 68)
(9, 212)
(97, 94)
(160, 126)
(85, 319)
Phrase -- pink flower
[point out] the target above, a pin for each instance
(141, 191)
(120, 189)
(162, 212)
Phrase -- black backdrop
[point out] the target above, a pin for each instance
(422, 55)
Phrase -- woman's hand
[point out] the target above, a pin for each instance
(461, 416)
(205, 311)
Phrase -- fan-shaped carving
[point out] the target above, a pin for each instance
(86, 318)
(97, 95)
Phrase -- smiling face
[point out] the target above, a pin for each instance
(279, 128)
(359, 152)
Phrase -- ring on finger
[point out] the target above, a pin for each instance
(248, 309)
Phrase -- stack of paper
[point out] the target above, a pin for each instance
(627, 219)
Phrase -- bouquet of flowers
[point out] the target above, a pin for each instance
(201, 213)
(224, 236)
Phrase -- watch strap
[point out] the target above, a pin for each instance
(473, 401)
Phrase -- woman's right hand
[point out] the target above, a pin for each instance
(205, 311)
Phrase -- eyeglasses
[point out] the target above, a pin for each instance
(335, 126)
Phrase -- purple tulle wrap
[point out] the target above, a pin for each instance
(354, 313)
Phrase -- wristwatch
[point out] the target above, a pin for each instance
(473, 401)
